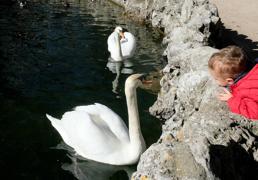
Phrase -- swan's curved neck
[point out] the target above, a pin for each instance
(118, 47)
(136, 138)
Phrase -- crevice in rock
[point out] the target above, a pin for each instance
(232, 162)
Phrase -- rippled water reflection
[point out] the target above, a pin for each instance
(53, 58)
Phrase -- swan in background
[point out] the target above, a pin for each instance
(97, 133)
(121, 44)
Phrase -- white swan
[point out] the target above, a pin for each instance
(121, 49)
(97, 133)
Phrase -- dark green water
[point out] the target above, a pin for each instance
(53, 58)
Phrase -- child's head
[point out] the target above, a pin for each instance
(226, 64)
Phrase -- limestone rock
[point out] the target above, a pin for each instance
(201, 139)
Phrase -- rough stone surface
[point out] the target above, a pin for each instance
(201, 139)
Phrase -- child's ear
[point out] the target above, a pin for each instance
(230, 81)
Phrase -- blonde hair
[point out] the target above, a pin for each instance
(228, 62)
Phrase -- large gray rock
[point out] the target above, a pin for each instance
(201, 139)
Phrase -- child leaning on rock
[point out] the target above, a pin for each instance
(229, 68)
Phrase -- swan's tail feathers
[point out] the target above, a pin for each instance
(52, 119)
(57, 124)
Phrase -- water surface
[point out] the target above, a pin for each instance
(53, 58)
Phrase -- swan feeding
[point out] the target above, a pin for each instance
(95, 132)
(121, 44)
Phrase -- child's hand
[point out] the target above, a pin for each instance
(224, 96)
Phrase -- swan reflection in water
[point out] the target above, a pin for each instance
(84, 169)
(118, 68)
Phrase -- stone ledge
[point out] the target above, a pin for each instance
(201, 139)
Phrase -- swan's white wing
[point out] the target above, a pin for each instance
(88, 134)
(115, 123)
(128, 45)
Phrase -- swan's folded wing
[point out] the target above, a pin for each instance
(115, 123)
(88, 138)
(128, 47)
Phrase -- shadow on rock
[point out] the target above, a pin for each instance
(229, 37)
(232, 162)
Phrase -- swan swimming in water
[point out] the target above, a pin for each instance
(97, 133)
(121, 49)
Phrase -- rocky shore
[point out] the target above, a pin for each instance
(200, 138)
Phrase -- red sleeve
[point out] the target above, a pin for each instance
(244, 106)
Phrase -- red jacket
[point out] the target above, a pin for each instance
(245, 95)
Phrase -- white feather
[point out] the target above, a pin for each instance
(96, 132)
(127, 46)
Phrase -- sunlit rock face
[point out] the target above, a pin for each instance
(201, 139)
